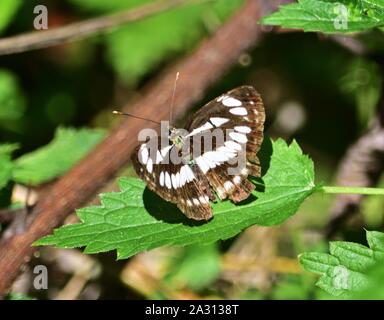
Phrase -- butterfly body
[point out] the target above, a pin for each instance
(201, 163)
(176, 137)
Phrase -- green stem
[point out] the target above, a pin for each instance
(353, 190)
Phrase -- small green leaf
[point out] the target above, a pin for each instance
(8, 9)
(326, 16)
(347, 269)
(67, 147)
(6, 164)
(12, 102)
(135, 219)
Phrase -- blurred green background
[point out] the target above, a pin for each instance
(314, 90)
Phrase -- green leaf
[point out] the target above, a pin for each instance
(352, 255)
(12, 102)
(135, 219)
(8, 9)
(374, 290)
(327, 284)
(375, 7)
(328, 16)
(204, 258)
(105, 6)
(376, 240)
(18, 296)
(6, 164)
(347, 269)
(67, 147)
(318, 262)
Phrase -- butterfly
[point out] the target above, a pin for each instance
(203, 174)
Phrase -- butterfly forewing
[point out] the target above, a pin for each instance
(240, 115)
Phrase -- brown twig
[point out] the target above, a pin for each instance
(198, 71)
(75, 31)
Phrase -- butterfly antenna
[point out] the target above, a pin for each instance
(133, 116)
(173, 97)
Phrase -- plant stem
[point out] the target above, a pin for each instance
(353, 190)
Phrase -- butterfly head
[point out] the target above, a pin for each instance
(176, 137)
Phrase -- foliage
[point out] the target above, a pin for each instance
(6, 165)
(202, 258)
(50, 161)
(67, 147)
(8, 9)
(292, 287)
(329, 16)
(135, 49)
(135, 219)
(363, 83)
(309, 75)
(348, 267)
(374, 290)
(12, 101)
(18, 296)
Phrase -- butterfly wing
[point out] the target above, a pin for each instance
(179, 183)
(241, 113)
(189, 185)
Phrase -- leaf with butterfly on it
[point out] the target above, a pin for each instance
(135, 219)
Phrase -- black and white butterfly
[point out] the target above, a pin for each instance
(202, 177)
